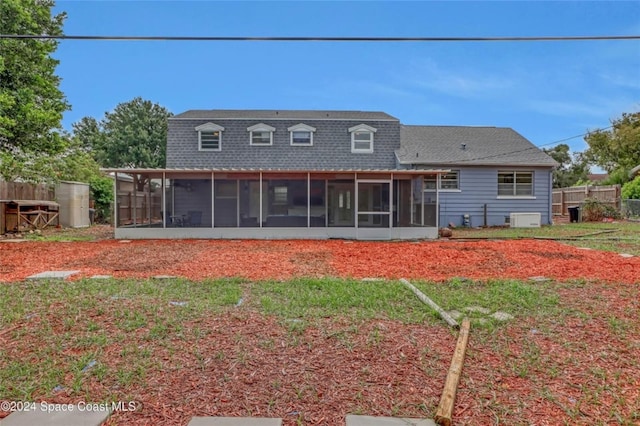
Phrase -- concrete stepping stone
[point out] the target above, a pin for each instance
(52, 415)
(539, 279)
(477, 309)
(101, 277)
(52, 275)
(502, 316)
(625, 255)
(164, 277)
(353, 420)
(371, 279)
(234, 421)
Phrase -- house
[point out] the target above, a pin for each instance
(328, 174)
(494, 172)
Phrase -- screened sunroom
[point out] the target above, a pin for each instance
(266, 204)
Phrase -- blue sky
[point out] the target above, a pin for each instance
(546, 91)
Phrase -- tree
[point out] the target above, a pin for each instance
(631, 189)
(134, 135)
(616, 149)
(571, 169)
(73, 163)
(31, 103)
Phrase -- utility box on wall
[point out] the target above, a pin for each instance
(73, 198)
(525, 220)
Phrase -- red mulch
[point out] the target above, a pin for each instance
(259, 260)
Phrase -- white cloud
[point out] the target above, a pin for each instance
(473, 84)
(617, 79)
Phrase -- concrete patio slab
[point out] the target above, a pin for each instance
(52, 275)
(234, 421)
(353, 420)
(49, 416)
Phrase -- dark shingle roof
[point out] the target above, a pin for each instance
(244, 114)
(460, 145)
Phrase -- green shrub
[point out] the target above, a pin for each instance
(595, 210)
(102, 194)
(631, 190)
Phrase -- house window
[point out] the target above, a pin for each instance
(301, 135)
(515, 183)
(209, 137)
(362, 138)
(261, 135)
(449, 180)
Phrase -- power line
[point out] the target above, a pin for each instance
(320, 39)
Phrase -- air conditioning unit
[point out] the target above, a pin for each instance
(524, 220)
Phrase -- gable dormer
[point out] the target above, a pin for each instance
(261, 135)
(301, 135)
(209, 137)
(362, 139)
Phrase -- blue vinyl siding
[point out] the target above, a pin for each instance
(479, 186)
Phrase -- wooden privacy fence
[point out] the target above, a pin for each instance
(26, 191)
(575, 195)
(27, 210)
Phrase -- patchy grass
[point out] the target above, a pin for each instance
(620, 237)
(53, 234)
(323, 298)
(322, 348)
(517, 298)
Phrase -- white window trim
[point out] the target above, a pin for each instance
(261, 127)
(361, 128)
(301, 128)
(514, 196)
(441, 180)
(209, 127)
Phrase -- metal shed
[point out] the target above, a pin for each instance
(73, 198)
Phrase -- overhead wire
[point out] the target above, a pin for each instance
(318, 38)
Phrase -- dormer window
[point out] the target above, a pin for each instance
(209, 137)
(362, 138)
(301, 135)
(261, 135)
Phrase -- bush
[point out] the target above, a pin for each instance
(102, 194)
(595, 210)
(631, 190)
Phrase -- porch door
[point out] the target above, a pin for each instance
(341, 204)
(373, 208)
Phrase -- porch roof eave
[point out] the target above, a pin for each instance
(260, 170)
